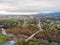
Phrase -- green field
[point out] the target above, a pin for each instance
(3, 38)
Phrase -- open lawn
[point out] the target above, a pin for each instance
(3, 38)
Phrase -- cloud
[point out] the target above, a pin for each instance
(19, 6)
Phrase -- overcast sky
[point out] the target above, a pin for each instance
(29, 6)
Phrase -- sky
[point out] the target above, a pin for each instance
(29, 6)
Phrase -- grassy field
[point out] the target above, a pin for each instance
(3, 38)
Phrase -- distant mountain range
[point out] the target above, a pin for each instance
(57, 14)
(54, 14)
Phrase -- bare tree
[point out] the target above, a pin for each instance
(25, 22)
(40, 29)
